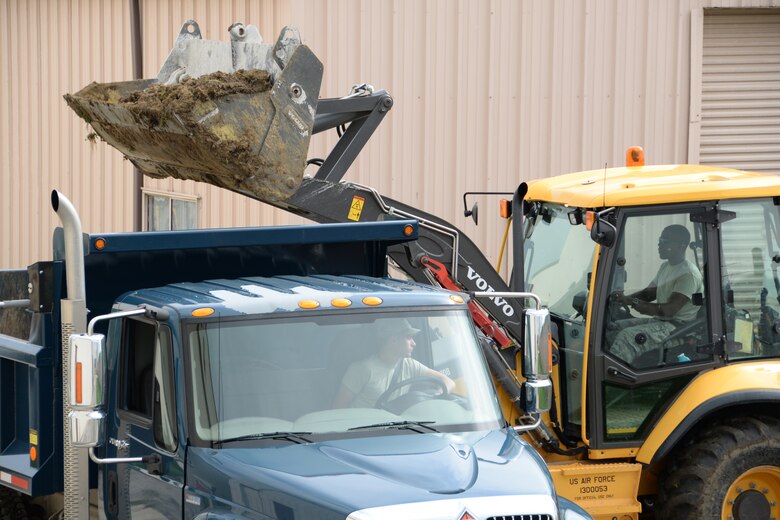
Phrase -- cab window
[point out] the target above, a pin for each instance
(656, 313)
(146, 380)
(750, 280)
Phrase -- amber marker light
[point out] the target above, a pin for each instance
(408, 230)
(372, 301)
(33, 453)
(79, 384)
(203, 312)
(308, 304)
(635, 156)
(100, 244)
(590, 218)
(341, 302)
(456, 298)
(505, 208)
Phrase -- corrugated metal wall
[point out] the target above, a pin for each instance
(49, 48)
(486, 94)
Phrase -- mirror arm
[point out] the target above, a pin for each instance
(148, 459)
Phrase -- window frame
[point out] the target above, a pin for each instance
(132, 416)
(170, 381)
(171, 196)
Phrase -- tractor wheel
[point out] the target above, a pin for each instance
(730, 471)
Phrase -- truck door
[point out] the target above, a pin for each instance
(653, 330)
(145, 424)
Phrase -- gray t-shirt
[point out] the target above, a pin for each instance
(369, 378)
(683, 278)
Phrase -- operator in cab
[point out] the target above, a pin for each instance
(368, 379)
(666, 300)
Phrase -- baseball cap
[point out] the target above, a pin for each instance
(395, 327)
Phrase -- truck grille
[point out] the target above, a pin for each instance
(521, 517)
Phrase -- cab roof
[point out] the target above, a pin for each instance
(282, 294)
(643, 185)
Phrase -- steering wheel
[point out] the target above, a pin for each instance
(382, 400)
(617, 310)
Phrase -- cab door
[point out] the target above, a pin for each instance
(145, 424)
(646, 344)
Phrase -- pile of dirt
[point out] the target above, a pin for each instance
(14, 321)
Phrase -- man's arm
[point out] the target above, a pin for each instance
(343, 398)
(449, 383)
(666, 310)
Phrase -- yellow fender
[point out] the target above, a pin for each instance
(739, 383)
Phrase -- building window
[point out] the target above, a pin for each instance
(167, 212)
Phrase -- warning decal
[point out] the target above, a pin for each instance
(356, 208)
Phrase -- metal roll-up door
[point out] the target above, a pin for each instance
(740, 89)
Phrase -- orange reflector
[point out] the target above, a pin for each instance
(203, 312)
(33, 453)
(456, 298)
(79, 395)
(590, 218)
(408, 230)
(100, 244)
(372, 300)
(308, 304)
(341, 302)
(505, 207)
(635, 156)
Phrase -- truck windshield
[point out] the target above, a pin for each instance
(558, 257)
(338, 374)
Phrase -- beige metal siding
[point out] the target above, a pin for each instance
(486, 94)
(47, 49)
(740, 90)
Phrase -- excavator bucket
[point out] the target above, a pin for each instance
(236, 114)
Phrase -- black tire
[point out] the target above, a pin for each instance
(700, 473)
(12, 504)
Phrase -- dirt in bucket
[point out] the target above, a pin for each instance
(158, 102)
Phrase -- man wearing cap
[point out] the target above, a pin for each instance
(369, 378)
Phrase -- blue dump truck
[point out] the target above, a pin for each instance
(202, 371)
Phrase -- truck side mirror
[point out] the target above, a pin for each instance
(86, 374)
(86, 370)
(537, 361)
(86, 428)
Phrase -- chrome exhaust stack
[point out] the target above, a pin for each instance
(74, 321)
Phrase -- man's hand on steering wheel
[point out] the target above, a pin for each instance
(619, 306)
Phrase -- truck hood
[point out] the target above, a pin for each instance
(343, 476)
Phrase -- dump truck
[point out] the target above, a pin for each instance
(661, 282)
(200, 372)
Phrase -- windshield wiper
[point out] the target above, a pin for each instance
(401, 425)
(296, 437)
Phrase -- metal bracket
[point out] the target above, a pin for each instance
(363, 110)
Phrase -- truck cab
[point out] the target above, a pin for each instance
(233, 394)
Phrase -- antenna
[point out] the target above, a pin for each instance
(604, 188)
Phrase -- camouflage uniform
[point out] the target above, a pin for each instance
(650, 333)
